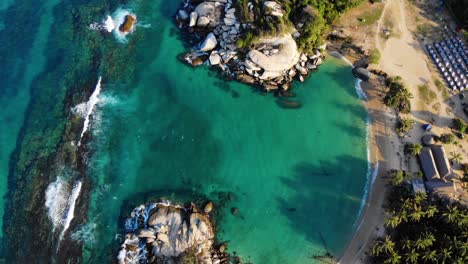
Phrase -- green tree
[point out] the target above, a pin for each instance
(398, 177)
(398, 96)
(430, 256)
(404, 125)
(393, 258)
(415, 149)
(459, 125)
(447, 138)
(456, 157)
(412, 256)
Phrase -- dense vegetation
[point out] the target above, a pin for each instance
(310, 17)
(422, 230)
(398, 96)
(460, 9)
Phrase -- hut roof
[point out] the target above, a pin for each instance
(442, 189)
(428, 140)
(441, 160)
(428, 164)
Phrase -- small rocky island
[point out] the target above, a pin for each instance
(165, 233)
(253, 42)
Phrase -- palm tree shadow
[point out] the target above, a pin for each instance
(325, 201)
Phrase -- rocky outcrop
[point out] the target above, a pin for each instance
(270, 63)
(166, 233)
(209, 43)
(129, 24)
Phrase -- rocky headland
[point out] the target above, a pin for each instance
(165, 233)
(226, 37)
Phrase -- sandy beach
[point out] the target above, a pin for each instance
(401, 56)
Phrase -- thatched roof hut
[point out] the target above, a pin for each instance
(428, 140)
(441, 160)
(428, 164)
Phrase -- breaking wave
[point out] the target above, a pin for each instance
(61, 197)
(86, 109)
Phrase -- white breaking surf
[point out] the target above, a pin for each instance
(86, 109)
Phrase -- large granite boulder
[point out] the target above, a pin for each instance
(209, 43)
(129, 24)
(170, 231)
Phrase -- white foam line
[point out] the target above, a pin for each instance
(71, 208)
(89, 106)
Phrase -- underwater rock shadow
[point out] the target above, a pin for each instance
(316, 207)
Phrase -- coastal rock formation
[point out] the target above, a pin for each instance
(166, 233)
(271, 63)
(129, 24)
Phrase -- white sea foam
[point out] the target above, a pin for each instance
(371, 175)
(109, 24)
(362, 95)
(61, 197)
(57, 194)
(70, 212)
(85, 233)
(118, 18)
(86, 109)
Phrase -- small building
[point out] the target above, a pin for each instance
(428, 164)
(447, 190)
(441, 160)
(428, 140)
(362, 74)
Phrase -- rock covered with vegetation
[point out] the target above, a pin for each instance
(166, 233)
(264, 43)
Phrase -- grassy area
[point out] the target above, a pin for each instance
(426, 94)
(370, 17)
(374, 56)
(442, 88)
(424, 29)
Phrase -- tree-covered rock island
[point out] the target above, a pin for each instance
(263, 43)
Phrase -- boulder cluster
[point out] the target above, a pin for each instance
(165, 233)
(271, 63)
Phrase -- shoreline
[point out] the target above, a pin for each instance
(378, 140)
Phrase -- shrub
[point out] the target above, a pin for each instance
(459, 125)
(447, 138)
(374, 56)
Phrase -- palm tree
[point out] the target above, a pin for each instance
(445, 254)
(412, 257)
(415, 149)
(430, 256)
(377, 249)
(393, 258)
(452, 214)
(398, 176)
(456, 157)
(428, 239)
(388, 245)
(431, 210)
(407, 244)
(393, 221)
(417, 214)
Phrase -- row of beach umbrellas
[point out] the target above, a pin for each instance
(451, 57)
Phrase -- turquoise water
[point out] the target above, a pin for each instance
(297, 177)
(16, 89)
